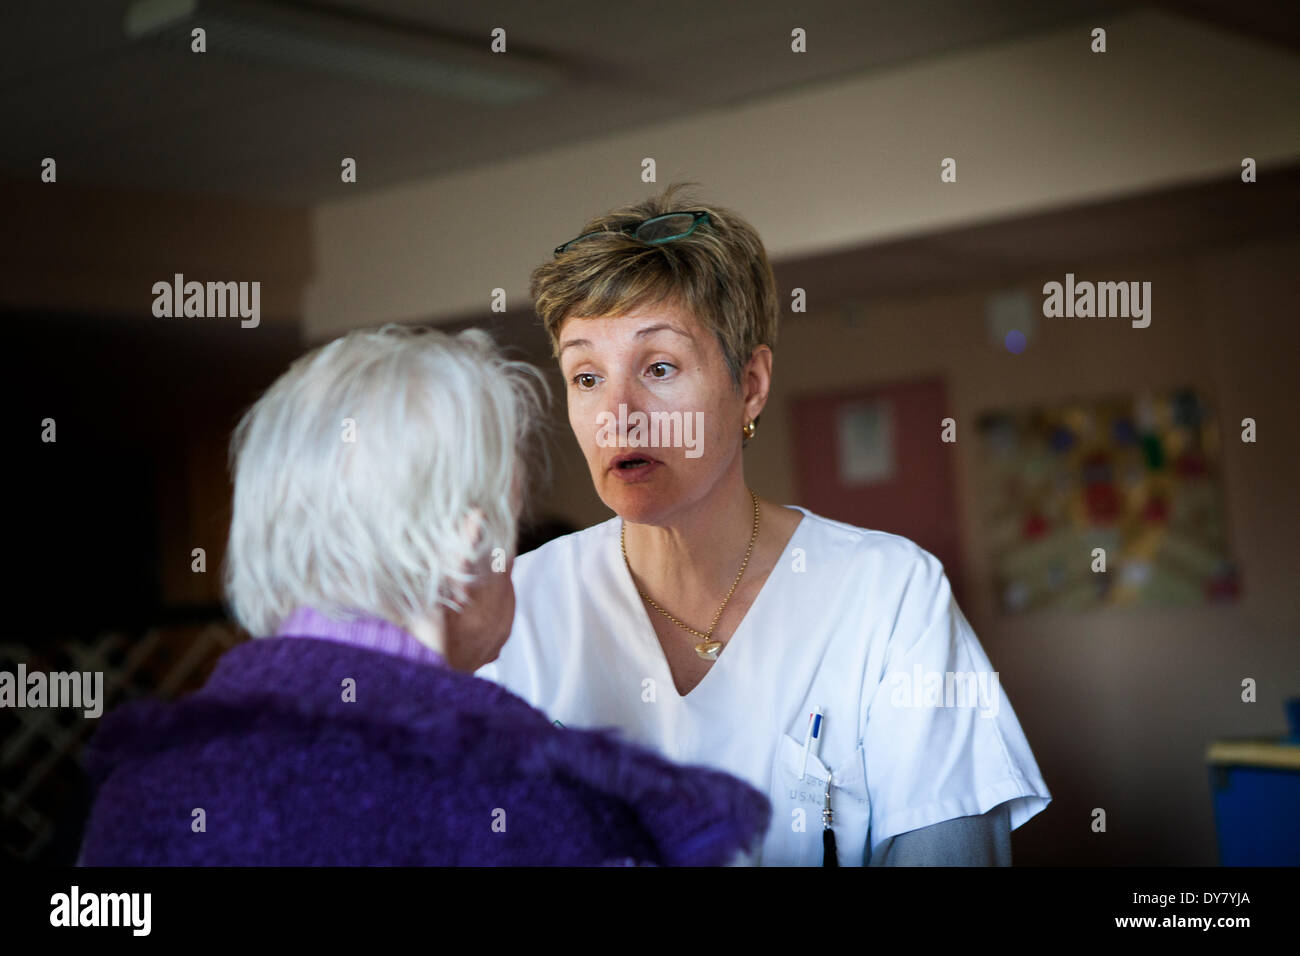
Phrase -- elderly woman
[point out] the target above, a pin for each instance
(816, 660)
(375, 509)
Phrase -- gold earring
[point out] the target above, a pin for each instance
(748, 430)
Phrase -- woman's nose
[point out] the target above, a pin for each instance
(620, 399)
(623, 397)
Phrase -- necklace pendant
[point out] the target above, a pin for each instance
(709, 650)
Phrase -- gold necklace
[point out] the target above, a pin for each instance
(708, 649)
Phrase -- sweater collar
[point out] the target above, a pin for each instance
(369, 632)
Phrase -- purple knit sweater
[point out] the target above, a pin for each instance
(428, 766)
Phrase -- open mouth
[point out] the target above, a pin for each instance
(627, 463)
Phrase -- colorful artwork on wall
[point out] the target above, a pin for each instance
(1107, 501)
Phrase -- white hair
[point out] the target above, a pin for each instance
(376, 474)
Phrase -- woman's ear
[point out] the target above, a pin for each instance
(757, 381)
(471, 526)
(471, 530)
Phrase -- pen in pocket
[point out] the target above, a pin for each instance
(812, 739)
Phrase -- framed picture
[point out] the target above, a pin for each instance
(1106, 501)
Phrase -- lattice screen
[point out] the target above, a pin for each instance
(42, 785)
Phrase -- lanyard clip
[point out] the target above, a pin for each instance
(830, 855)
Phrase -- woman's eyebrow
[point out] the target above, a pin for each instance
(662, 326)
(640, 334)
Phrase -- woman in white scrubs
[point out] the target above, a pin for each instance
(820, 662)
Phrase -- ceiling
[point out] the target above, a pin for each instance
(1206, 215)
(286, 89)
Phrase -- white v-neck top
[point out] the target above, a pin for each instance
(860, 623)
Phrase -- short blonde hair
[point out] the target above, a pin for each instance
(719, 273)
(360, 470)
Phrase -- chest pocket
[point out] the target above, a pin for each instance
(794, 838)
